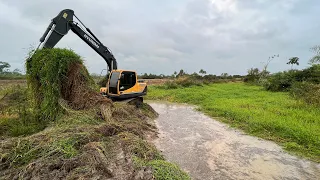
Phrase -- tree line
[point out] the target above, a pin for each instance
(201, 74)
(5, 72)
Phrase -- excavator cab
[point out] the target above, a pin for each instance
(122, 85)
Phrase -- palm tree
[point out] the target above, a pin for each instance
(293, 61)
(181, 73)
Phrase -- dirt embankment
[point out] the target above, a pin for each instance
(84, 135)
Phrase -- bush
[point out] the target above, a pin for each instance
(170, 85)
(308, 92)
(311, 74)
(252, 76)
(283, 81)
(182, 83)
(188, 82)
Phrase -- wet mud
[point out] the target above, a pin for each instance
(208, 149)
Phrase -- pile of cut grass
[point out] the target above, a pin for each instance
(86, 135)
(53, 74)
(80, 144)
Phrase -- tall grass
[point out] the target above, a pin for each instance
(271, 115)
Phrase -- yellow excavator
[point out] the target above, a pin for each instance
(122, 85)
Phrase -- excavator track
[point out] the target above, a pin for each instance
(138, 101)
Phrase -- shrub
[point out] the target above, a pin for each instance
(183, 82)
(188, 82)
(281, 81)
(311, 74)
(170, 85)
(308, 92)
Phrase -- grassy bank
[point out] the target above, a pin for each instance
(270, 115)
(60, 127)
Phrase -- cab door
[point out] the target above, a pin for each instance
(113, 86)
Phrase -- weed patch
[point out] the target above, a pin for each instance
(166, 170)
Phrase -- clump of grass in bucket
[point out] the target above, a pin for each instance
(47, 72)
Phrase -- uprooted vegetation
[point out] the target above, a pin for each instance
(59, 127)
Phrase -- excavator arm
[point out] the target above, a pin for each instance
(62, 23)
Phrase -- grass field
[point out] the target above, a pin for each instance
(270, 115)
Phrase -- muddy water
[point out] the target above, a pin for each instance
(208, 149)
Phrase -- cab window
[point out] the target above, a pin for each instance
(127, 80)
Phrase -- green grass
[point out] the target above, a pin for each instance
(270, 115)
(165, 170)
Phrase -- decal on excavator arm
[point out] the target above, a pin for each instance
(92, 41)
(65, 15)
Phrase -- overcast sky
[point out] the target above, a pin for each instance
(165, 36)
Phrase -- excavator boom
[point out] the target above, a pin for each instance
(62, 23)
(122, 85)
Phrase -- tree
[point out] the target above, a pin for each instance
(16, 71)
(202, 72)
(253, 75)
(316, 58)
(253, 72)
(264, 73)
(3, 66)
(195, 75)
(224, 75)
(175, 74)
(293, 60)
(181, 72)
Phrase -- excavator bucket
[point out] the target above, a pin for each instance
(58, 27)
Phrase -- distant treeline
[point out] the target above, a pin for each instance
(5, 72)
(202, 74)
